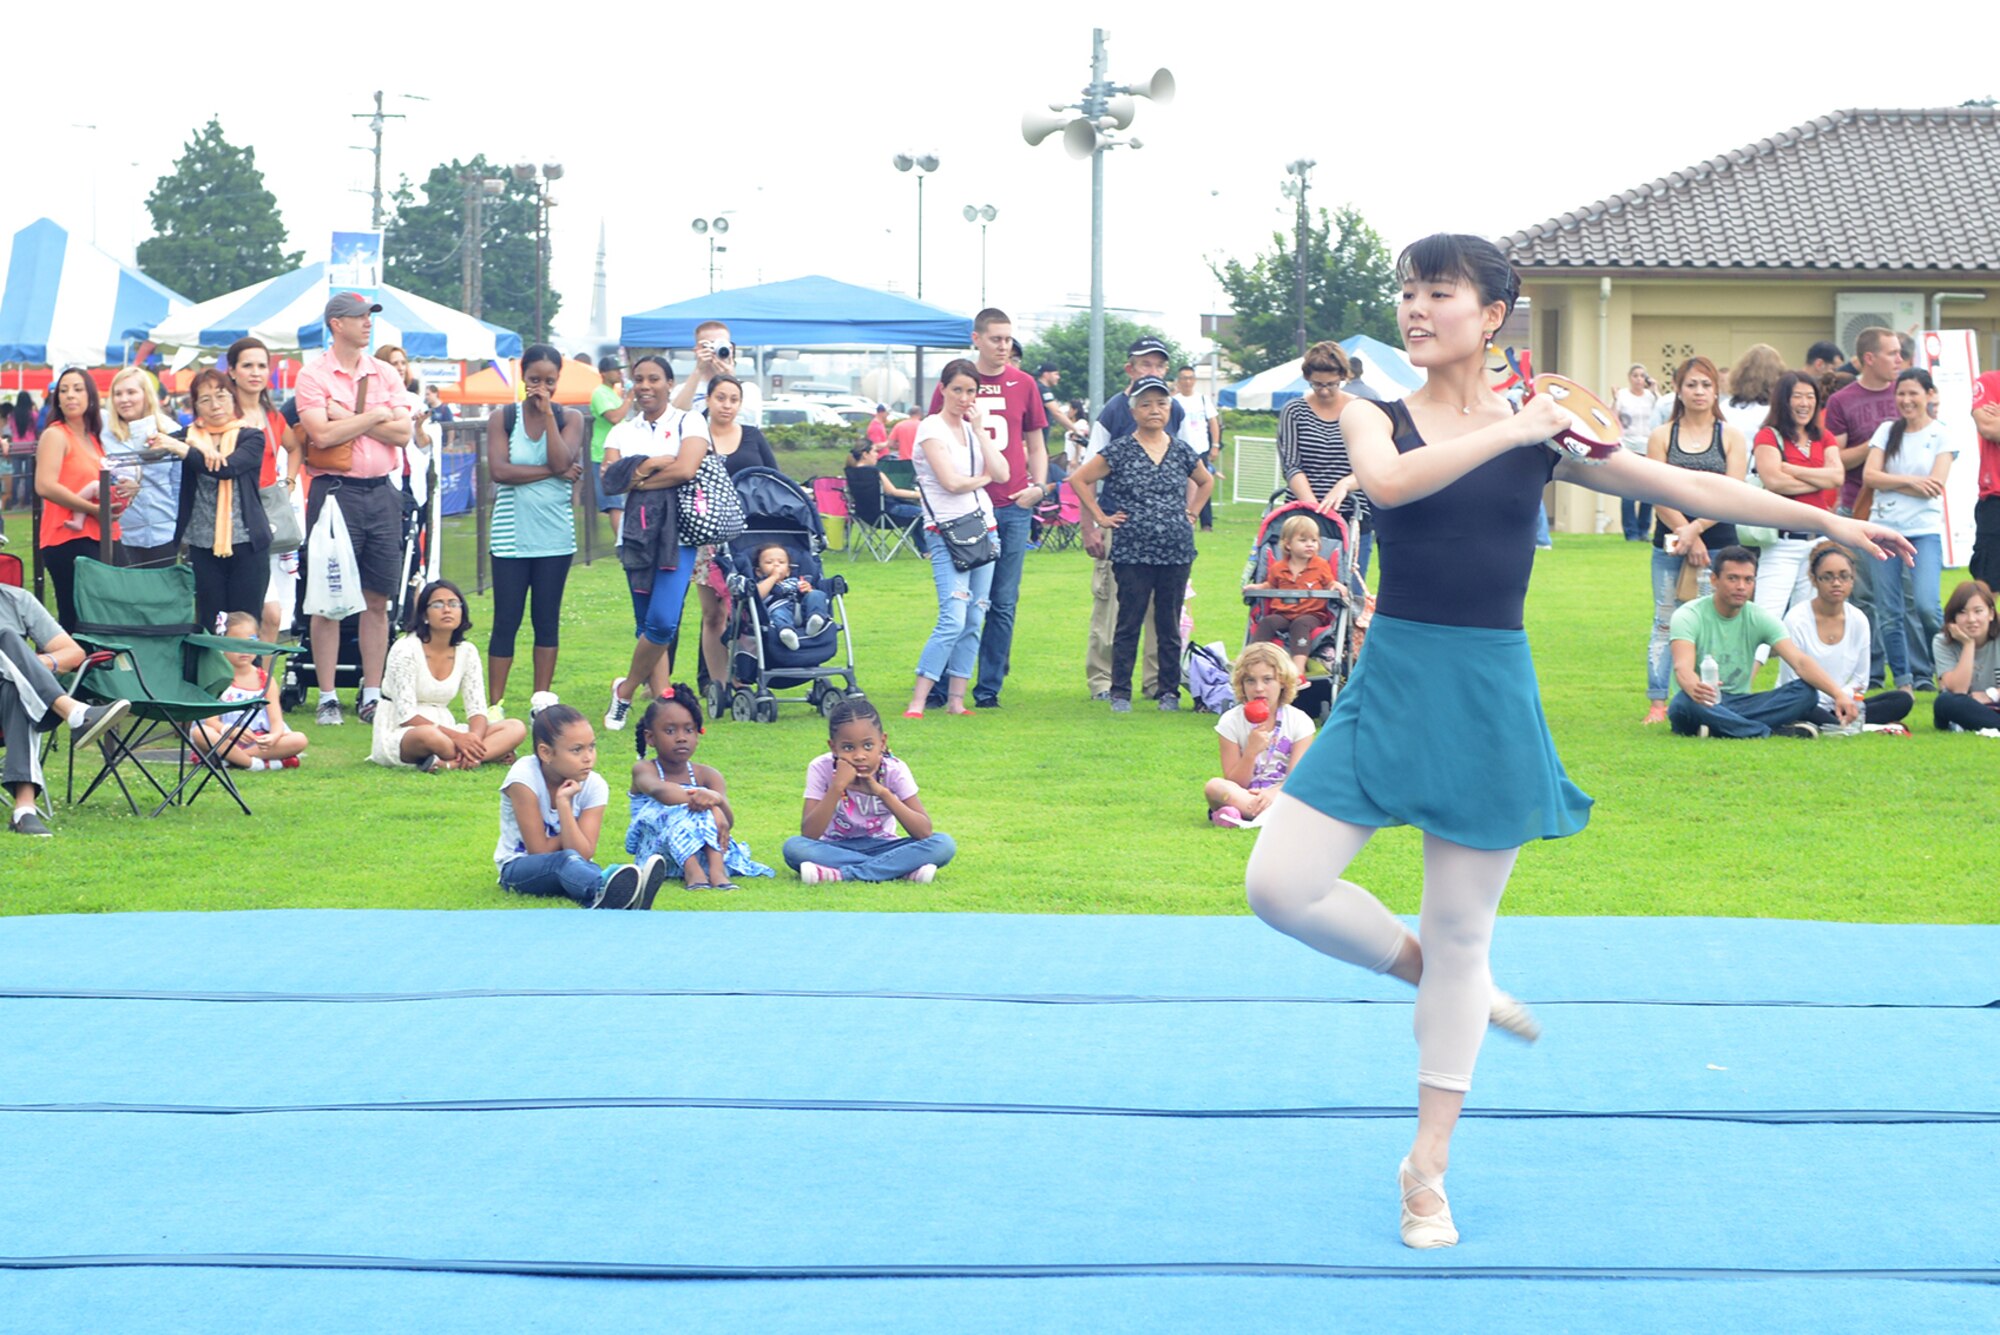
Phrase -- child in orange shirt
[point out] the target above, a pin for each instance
(1293, 622)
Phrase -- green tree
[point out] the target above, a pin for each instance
(424, 245)
(1067, 346)
(1350, 289)
(215, 227)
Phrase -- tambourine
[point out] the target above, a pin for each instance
(1593, 434)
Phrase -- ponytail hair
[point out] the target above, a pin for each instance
(551, 723)
(1896, 428)
(680, 693)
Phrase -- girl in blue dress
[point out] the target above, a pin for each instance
(681, 810)
(1454, 477)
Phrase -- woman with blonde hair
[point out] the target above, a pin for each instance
(132, 440)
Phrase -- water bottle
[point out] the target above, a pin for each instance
(1711, 675)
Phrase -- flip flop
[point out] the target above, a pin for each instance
(699, 885)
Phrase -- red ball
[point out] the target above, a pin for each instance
(1257, 710)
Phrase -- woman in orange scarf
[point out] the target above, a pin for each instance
(221, 518)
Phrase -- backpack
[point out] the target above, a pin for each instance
(1206, 675)
(513, 411)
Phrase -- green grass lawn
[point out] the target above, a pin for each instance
(1059, 807)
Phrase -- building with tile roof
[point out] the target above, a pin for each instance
(1858, 218)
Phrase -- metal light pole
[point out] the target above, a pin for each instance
(713, 228)
(1106, 107)
(924, 163)
(1299, 169)
(524, 172)
(472, 264)
(982, 216)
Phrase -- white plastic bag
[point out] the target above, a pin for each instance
(333, 576)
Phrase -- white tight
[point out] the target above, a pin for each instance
(1294, 885)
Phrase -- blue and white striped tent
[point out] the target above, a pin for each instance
(286, 313)
(1385, 374)
(68, 303)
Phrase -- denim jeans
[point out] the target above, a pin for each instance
(1744, 715)
(1659, 653)
(996, 640)
(656, 614)
(1542, 538)
(870, 859)
(564, 872)
(962, 595)
(795, 612)
(1636, 518)
(1906, 624)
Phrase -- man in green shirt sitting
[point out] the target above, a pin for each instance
(1729, 628)
(609, 403)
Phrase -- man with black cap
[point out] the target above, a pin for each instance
(1049, 376)
(1146, 357)
(357, 421)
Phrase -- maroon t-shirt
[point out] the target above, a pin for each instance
(1010, 406)
(1855, 412)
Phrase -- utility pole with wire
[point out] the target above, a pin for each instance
(375, 121)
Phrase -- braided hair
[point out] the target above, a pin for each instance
(680, 693)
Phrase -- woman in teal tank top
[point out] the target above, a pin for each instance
(534, 451)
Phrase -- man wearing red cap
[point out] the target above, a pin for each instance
(357, 422)
(1985, 563)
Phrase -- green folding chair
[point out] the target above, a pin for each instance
(171, 672)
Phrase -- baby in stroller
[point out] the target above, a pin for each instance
(791, 604)
(1297, 568)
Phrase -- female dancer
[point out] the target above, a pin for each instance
(1456, 480)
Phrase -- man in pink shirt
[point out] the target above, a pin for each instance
(357, 422)
(1010, 406)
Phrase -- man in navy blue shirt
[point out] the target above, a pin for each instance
(1147, 356)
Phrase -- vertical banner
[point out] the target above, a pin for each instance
(1952, 358)
(354, 264)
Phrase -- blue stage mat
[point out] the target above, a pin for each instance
(1796, 1063)
(1043, 957)
(62, 1302)
(745, 1188)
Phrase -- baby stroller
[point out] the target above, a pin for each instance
(1330, 655)
(777, 509)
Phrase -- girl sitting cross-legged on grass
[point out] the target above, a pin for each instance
(267, 743)
(1258, 753)
(551, 809)
(680, 810)
(856, 795)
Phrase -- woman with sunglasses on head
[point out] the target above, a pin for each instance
(69, 455)
(134, 438)
(1455, 478)
(249, 363)
(428, 668)
(1312, 453)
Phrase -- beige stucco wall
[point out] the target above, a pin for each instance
(1576, 329)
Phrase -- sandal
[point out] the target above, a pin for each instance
(698, 885)
(724, 886)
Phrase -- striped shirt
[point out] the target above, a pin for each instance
(1309, 444)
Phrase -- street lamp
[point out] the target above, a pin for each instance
(713, 228)
(1106, 107)
(982, 216)
(1298, 169)
(524, 172)
(924, 163)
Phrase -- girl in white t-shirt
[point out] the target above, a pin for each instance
(1257, 756)
(551, 810)
(1832, 631)
(1909, 458)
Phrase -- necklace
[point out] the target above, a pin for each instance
(1464, 409)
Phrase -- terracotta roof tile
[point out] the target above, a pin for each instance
(1783, 202)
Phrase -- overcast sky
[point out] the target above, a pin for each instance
(788, 116)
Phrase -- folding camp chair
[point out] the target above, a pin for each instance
(830, 500)
(166, 667)
(1060, 517)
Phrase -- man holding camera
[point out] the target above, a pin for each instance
(714, 355)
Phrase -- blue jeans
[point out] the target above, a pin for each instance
(657, 614)
(1659, 653)
(962, 597)
(782, 612)
(1636, 517)
(1906, 626)
(870, 859)
(566, 872)
(902, 514)
(1744, 715)
(1542, 538)
(996, 641)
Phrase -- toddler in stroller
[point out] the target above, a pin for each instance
(791, 603)
(1304, 594)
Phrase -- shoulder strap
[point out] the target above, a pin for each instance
(508, 417)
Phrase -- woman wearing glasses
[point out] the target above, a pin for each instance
(428, 668)
(1835, 635)
(220, 517)
(1312, 454)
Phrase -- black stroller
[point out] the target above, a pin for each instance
(1335, 647)
(778, 510)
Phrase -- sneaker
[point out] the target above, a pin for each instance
(1100, 695)
(329, 712)
(652, 875)
(496, 712)
(98, 719)
(365, 711)
(614, 717)
(985, 702)
(1795, 730)
(539, 701)
(1120, 705)
(789, 637)
(619, 889)
(1228, 817)
(1510, 1015)
(28, 821)
(923, 875)
(1702, 732)
(1169, 703)
(814, 874)
(814, 625)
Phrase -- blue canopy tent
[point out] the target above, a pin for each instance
(68, 303)
(801, 312)
(1385, 374)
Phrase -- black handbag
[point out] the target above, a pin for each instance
(710, 510)
(967, 540)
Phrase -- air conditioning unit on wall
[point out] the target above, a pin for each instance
(1855, 311)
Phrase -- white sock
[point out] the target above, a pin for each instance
(77, 710)
(370, 693)
(24, 809)
(257, 763)
(325, 696)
